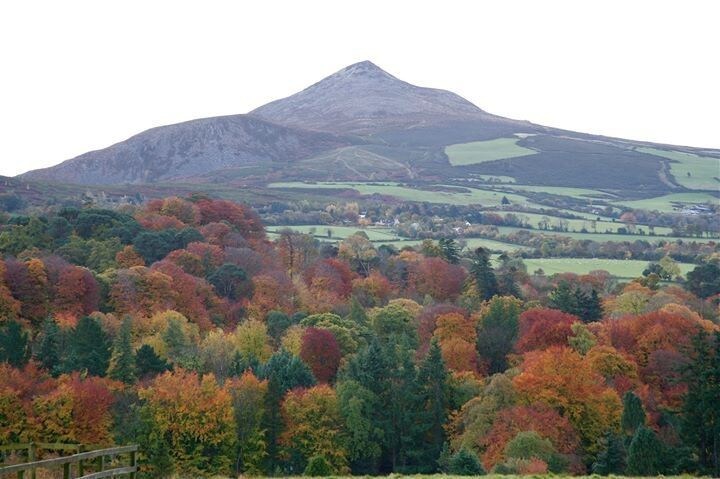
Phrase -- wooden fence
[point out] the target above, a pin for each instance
(78, 460)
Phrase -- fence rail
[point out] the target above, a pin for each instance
(78, 460)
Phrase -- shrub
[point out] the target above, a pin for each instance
(465, 463)
(318, 466)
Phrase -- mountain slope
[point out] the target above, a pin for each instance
(361, 124)
(362, 98)
(192, 148)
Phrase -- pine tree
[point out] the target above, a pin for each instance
(506, 282)
(13, 344)
(483, 274)
(701, 408)
(611, 459)
(497, 332)
(406, 422)
(148, 363)
(432, 379)
(122, 362)
(645, 454)
(593, 310)
(450, 250)
(90, 349)
(48, 353)
(357, 313)
(633, 415)
(563, 298)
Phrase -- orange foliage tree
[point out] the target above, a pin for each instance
(541, 419)
(195, 416)
(559, 378)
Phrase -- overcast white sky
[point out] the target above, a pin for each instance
(81, 75)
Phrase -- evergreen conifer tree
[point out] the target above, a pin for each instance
(48, 353)
(90, 348)
(611, 459)
(633, 415)
(432, 379)
(122, 361)
(483, 274)
(13, 344)
(148, 363)
(701, 408)
(645, 454)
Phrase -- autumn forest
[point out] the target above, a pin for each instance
(181, 326)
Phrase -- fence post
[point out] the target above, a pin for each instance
(133, 463)
(32, 457)
(66, 470)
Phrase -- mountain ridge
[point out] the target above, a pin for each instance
(306, 136)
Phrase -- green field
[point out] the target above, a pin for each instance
(600, 237)
(691, 171)
(671, 203)
(339, 232)
(582, 193)
(496, 178)
(462, 198)
(481, 151)
(381, 236)
(576, 225)
(620, 268)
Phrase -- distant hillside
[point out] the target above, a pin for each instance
(192, 148)
(363, 124)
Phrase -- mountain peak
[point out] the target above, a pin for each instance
(362, 98)
(364, 69)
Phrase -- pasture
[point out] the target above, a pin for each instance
(581, 193)
(442, 194)
(385, 236)
(330, 232)
(672, 202)
(625, 269)
(475, 152)
(577, 225)
(691, 171)
(600, 237)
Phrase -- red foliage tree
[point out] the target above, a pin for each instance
(320, 351)
(540, 328)
(245, 220)
(330, 275)
(28, 283)
(76, 292)
(437, 278)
